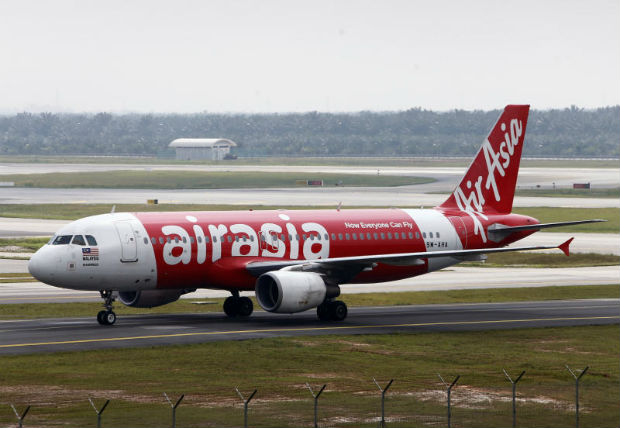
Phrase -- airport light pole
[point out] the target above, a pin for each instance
(577, 379)
(316, 401)
(245, 405)
(514, 396)
(383, 391)
(20, 418)
(449, 393)
(174, 408)
(99, 411)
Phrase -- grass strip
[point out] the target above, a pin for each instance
(134, 379)
(537, 259)
(129, 179)
(485, 295)
(570, 193)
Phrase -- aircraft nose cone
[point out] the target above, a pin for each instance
(42, 267)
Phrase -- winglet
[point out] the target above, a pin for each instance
(564, 246)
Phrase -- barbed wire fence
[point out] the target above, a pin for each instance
(454, 403)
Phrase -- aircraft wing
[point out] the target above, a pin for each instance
(346, 267)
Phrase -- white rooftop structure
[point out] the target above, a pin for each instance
(202, 148)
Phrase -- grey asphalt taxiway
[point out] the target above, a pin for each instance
(73, 334)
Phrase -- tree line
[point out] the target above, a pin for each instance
(570, 132)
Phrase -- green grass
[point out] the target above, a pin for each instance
(57, 385)
(570, 193)
(200, 179)
(486, 295)
(551, 214)
(546, 260)
(24, 244)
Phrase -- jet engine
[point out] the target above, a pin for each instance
(290, 291)
(150, 298)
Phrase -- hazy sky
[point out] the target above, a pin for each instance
(287, 55)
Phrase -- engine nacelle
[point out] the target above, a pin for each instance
(149, 298)
(289, 291)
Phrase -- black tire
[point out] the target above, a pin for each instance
(100, 317)
(109, 318)
(338, 310)
(231, 306)
(323, 311)
(245, 307)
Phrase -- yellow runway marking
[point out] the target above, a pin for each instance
(297, 329)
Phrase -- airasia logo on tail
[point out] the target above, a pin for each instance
(471, 200)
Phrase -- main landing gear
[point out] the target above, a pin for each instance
(106, 317)
(235, 306)
(332, 310)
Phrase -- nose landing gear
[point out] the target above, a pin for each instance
(235, 306)
(107, 316)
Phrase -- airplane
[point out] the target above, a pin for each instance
(294, 260)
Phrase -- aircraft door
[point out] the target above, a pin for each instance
(461, 230)
(127, 237)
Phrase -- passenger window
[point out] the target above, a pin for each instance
(199, 239)
(347, 236)
(311, 237)
(431, 235)
(403, 235)
(396, 235)
(228, 238)
(184, 240)
(191, 239)
(176, 239)
(252, 238)
(376, 235)
(78, 240)
(215, 239)
(424, 235)
(389, 235)
(62, 239)
(340, 236)
(417, 235)
(303, 236)
(326, 237)
(91, 240)
(355, 236)
(236, 238)
(161, 240)
(382, 235)
(437, 233)
(318, 236)
(369, 236)
(153, 240)
(146, 241)
(290, 237)
(333, 236)
(410, 235)
(361, 236)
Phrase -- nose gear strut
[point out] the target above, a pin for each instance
(107, 317)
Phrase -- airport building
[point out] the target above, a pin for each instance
(202, 148)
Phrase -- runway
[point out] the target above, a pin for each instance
(73, 334)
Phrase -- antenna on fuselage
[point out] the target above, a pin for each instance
(113, 209)
(339, 206)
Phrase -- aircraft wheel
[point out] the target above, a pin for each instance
(338, 310)
(245, 307)
(323, 311)
(100, 317)
(231, 306)
(109, 317)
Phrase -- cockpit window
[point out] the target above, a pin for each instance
(62, 240)
(91, 240)
(78, 240)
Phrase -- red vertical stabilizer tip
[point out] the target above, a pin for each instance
(564, 246)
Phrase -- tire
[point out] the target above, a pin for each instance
(231, 307)
(109, 317)
(323, 311)
(100, 317)
(338, 310)
(245, 307)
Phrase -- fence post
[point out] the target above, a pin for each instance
(174, 408)
(383, 391)
(449, 393)
(316, 401)
(245, 405)
(20, 418)
(100, 411)
(514, 396)
(577, 379)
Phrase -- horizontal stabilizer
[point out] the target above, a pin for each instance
(498, 232)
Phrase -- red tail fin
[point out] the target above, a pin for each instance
(489, 183)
